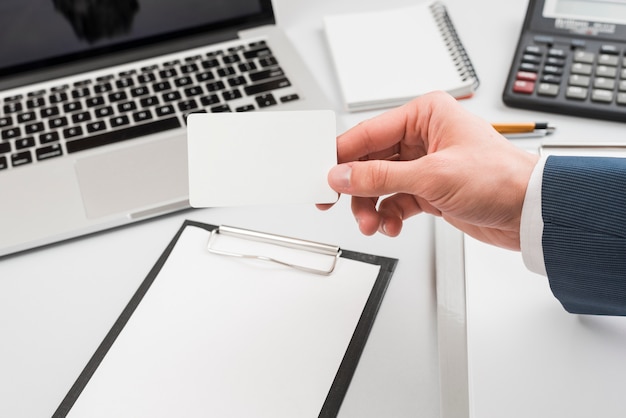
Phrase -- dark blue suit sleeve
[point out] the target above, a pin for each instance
(584, 236)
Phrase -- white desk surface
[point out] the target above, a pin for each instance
(57, 303)
(527, 355)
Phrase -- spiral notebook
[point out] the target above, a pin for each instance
(386, 58)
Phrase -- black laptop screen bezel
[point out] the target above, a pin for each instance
(221, 30)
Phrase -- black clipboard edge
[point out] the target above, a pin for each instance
(92, 365)
(348, 364)
(351, 358)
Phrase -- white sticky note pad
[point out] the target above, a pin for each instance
(258, 158)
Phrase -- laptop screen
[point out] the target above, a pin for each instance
(35, 33)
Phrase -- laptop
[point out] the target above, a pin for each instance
(94, 97)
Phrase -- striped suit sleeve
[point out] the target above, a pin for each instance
(584, 237)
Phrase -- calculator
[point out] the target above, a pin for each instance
(571, 59)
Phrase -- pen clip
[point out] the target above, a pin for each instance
(283, 241)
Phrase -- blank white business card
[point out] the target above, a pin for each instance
(261, 158)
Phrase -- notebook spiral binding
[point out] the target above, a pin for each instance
(453, 42)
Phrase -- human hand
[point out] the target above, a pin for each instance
(433, 156)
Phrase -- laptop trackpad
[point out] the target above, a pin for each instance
(137, 178)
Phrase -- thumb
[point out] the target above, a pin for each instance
(374, 178)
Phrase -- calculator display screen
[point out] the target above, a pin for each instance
(605, 11)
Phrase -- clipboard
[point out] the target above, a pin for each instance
(327, 357)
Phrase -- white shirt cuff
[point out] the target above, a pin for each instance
(531, 225)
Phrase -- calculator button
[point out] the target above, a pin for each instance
(526, 66)
(551, 69)
(579, 80)
(609, 49)
(604, 83)
(524, 87)
(578, 43)
(534, 50)
(605, 96)
(578, 68)
(577, 93)
(584, 56)
(526, 75)
(604, 71)
(555, 52)
(531, 58)
(547, 89)
(622, 85)
(543, 39)
(560, 62)
(621, 98)
(551, 78)
(605, 59)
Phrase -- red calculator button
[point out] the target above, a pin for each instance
(526, 75)
(524, 87)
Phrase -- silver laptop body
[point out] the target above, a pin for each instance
(94, 136)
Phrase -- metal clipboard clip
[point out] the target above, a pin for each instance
(288, 242)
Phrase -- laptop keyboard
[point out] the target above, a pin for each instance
(50, 122)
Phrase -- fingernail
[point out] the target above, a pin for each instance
(383, 228)
(340, 176)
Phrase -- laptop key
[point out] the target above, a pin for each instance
(267, 86)
(72, 107)
(23, 143)
(81, 117)
(245, 108)
(34, 128)
(265, 74)
(57, 122)
(142, 116)
(48, 112)
(165, 110)
(289, 98)
(80, 92)
(72, 132)
(21, 158)
(220, 108)
(102, 112)
(265, 100)
(114, 136)
(96, 126)
(231, 95)
(210, 100)
(13, 107)
(11, 133)
(48, 137)
(57, 97)
(161, 86)
(149, 101)
(257, 53)
(6, 121)
(103, 88)
(118, 121)
(35, 102)
(146, 78)
(139, 91)
(95, 101)
(49, 151)
(186, 105)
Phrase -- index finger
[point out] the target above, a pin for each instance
(378, 137)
